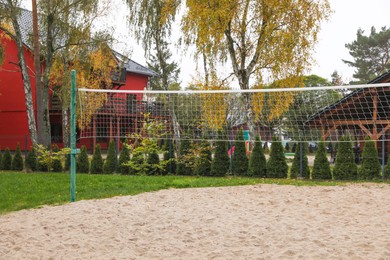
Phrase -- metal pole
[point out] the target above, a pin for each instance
(383, 154)
(73, 150)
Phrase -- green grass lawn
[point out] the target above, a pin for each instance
(30, 190)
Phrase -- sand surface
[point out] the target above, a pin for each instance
(248, 222)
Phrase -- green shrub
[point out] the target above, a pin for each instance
(287, 147)
(110, 162)
(1, 160)
(296, 164)
(266, 148)
(124, 159)
(136, 165)
(257, 162)
(97, 161)
(67, 162)
(31, 160)
(82, 162)
(345, 167)
(277, 165)
(7, 160)
(56, 161)
(153, 163)
(203, 162)
(240, 160)
(17, 161)
(221, 161)
(321, 167)
(169, 158)
(387, 169)
(184, 162)
(370, 166)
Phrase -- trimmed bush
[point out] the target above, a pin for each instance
(137, 162)
(183, 165)
(17, 161)
(296, 164)
(97, 161)
(387, 169)
(110, 162)
(31, 160)
(345, 167)
(124, 158)
(240, 160)
(277, 166)
(1, 160)
(321, 167)
(7, 160)
(169, 158)
(203, 162)
(257, 162)
(221, 161)
(370, 166)
(152, 163)
(56, 162)
(82, 162)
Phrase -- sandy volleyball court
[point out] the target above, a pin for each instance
(248, 222)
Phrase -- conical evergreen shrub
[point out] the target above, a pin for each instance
(137, 163)
(82, 162)
(321, 167)
(240, 160)
(387, 169)
(221, 161)
(370, 166)
(152, 163)
(110, 162)
(183, 165)
(169, 158)
(345, 167)
(257, 161)
(17, 161)
(277, 166)
(56, 162)
(31, 160)
(1, 160)
(97, 161)
(7, 160)
(203, 162)
(124, 158)
(296, 164)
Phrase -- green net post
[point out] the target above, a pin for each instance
(73, 150)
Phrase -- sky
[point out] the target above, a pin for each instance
(348, 16)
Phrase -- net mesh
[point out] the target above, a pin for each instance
(306, 114)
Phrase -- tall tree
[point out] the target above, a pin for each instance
(371, 54)
(262, 39)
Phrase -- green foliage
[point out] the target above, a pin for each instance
(31, 160)
(82, 162)
(124, 158)
(67, 162)
(153, 163)
(221, 161)
(266, 148)
(56, 162)
(17, 161)
(136, 164)
(46, 157)
(287, 147)
(169, 158)
(240, 160)
(1, 160)
(110, 162)
(7, 160)
(203, 162)
(277, 166)
(321, 167)
(387, 169)
(345, 167)
(257, 162)
(184, 165)
(97, 161)
(296, 164)
(370, 167)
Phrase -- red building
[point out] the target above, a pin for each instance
(13, 116)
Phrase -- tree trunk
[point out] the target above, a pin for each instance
(65, 127)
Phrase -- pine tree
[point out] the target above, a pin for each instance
(221, 161)
(7, 160)
(277, 166)
(82, 162)
(240, 160)
(152, 163)
(137, 162)
(296, 164)
(183, 167)
(345, 167)
(17, 161)
(321, 167)
(124, 158)
(110, 162)
(97, 161)
(31, 160)
(169, 158)
(203, 162)
(257, 162)
(370, 168)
